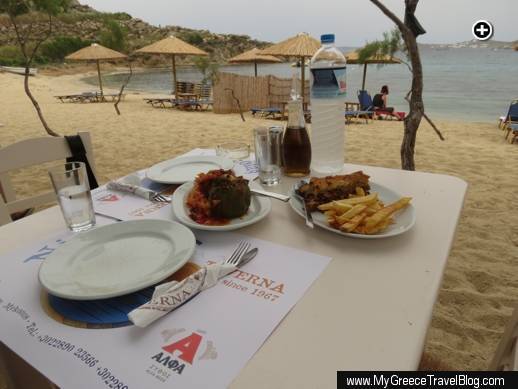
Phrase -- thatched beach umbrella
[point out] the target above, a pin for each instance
(353, 58)
(301, 46)
(97, 53)
(254, 56)
(171, 46)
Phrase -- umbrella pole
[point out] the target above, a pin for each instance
(302, 81)
(173, 61)
(255, 66)
(100, 79)
(364, 75)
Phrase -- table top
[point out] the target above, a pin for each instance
(371, 307)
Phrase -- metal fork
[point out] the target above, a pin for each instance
(238, 253)
(159, 198)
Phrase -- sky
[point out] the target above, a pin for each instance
(352, 21)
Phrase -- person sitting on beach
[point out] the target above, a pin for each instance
(380, 100)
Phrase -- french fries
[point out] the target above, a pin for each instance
(361, 213)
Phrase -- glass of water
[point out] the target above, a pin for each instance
(265, 157)
(70, 183)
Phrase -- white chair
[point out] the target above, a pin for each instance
(506, 355)
(27, 153)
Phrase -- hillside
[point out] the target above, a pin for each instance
(90, 23)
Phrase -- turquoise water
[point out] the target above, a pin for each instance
(464, 84)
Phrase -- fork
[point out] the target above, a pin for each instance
(160, 198)
(138, 191)
(238, 253)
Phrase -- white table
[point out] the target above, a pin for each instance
(370, 309)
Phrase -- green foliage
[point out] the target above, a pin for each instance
(194, 38)
(391, 43)
(210, 71)
(19, 7)
(61, 46)
(11, 56)
(114, 36)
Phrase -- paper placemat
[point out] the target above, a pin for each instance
(193, 347)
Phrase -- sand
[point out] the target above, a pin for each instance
(480, 286)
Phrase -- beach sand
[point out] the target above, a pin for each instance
(480, 286)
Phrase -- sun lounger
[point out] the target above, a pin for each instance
(78, 97)
(267, 112)
(512, 129)
(366, 104)
(88, 97)
(161, 102)
(512, 115)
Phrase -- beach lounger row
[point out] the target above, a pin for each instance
(181, 103)
(88, 97)
(189, 96)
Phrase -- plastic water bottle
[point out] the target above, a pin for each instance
(328, 88)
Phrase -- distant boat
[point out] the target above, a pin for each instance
(21, 71)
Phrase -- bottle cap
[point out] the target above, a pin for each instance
(327, 38)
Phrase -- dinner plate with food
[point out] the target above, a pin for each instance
(219, 201)
(184, 169)
(354, 206)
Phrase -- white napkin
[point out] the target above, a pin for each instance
(169, 296)
(131, 184)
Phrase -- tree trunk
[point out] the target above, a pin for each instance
(35, 102)
(416, 105)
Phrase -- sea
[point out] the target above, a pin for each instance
(468, 84)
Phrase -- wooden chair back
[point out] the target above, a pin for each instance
(28, 153)
(506, 355)
(203, 91)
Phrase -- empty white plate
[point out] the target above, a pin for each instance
(403, 220)
(184, 169)
(117, 259)
(260, 207)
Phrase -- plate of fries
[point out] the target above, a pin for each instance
(381, 213)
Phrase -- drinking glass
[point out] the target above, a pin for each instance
(70, 183)
(269, 167)
(233, 150)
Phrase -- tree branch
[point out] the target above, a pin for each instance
(119, 97)
(237, 101)
(389, 14)
(437, 131)
(28, 61)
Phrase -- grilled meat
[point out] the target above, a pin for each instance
(323, 190)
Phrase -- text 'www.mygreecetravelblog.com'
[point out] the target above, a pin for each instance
(428, 380)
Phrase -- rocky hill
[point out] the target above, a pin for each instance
(86, 23)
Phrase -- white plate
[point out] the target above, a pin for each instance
(185, 169)
(259, 207)
(117, 259)
(404, 219)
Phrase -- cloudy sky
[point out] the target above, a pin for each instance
(353, 21)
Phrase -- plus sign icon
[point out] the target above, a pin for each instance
(482, 30)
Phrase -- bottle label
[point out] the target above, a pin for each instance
(328, 83)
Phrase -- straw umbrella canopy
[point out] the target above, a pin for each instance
(97, 53)
(172, 46)
(254, 56)
(301, 46)
(353, 58)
